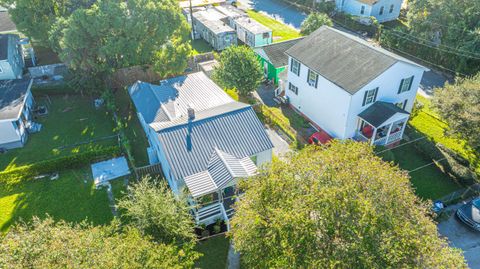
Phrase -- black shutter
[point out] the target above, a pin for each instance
(375, 95)
(410, 82)
(308, 76)
(400, 88)
(316, 81)
(405, 104)
(364, 98)
(298, 70)
(291, 65)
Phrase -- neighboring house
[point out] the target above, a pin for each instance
(253, 33)
(210, 25)
(273, 58)
(351, 88)
(382, 10)
(232, 13)
(204, 140)
(11, 57)
(16, 103)
(6, 23)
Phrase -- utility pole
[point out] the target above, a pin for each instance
(191, 19)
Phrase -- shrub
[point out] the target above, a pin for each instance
(28, 172)
(57, 89)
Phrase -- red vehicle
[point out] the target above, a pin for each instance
(319, 138)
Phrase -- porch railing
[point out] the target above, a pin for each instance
(394, 137)
(209, 214)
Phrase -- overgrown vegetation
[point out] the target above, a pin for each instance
(280, 31)
(315, 21)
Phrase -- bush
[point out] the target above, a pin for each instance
(57, 89)
(28, 172)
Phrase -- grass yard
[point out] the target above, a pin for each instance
(215, 252)
(72, 119)
(72, 198)
(281, 31)
(429, 182)
(200, 46)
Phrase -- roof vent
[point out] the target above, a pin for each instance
(191, 112)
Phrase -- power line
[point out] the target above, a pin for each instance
(426, 165)
(401, 145)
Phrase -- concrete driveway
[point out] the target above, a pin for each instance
(461, 236)
(280, 146)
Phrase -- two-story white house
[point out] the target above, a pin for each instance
(351, 88)
(204, 140)
(382, 10)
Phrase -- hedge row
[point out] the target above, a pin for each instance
(53, 89)
(28, 172)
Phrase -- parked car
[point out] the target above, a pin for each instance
(469, 213)
(319, 138)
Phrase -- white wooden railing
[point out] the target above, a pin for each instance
(210, 213)
(394, 137)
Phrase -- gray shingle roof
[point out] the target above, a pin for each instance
(379, 112)
(275, 53)
(346, 60)
(188, 147)
(12, 97)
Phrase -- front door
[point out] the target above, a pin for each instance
(265, 69)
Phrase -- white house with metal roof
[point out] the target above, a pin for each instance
(16, 104)
(382, 10)
(351, 88)
(204, 140)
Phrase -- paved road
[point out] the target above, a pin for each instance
(460, 236)
(431, 80)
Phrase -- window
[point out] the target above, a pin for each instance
(382, 8)
(405, 85)
(370, 96)
(402, 105)
(362, 10)
(391, 9)
(295, 67)
(312, 78)
(266, 35)
(293, 88)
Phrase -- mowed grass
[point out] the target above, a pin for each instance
(280, 31)
(72, 120)
(72, 198)
(428, 182)
(200, 46)
(215, 253)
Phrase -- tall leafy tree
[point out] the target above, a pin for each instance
(153, 208)
(115, 34)
(336, 207)
(314, 21)
(45, 244)
(239, 68)
(35, 18)
(459, 105)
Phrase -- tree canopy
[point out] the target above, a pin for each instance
(459, 105)
(344, 208)
(45, 244)
(315, 21)
(239, 68)
(153, 208)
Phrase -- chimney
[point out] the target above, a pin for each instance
(191, 112)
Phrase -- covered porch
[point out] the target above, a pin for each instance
(381, 124)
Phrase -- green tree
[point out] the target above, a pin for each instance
(336, 207)
(153, 208)
(315, 21)
(111, 35)
(45, 244)
(239, 68)
(459, 105)
(35, 18)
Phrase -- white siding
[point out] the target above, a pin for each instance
(327, 105)
(354, 7)
(264, 157)
(388, 84)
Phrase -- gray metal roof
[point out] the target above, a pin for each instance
(12, 97)
(213, 20)
(252, 25)
(231, 11)
(169, 101)
(346, 60)
(379, 112)
(275, 53)
(189, 147)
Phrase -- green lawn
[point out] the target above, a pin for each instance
(72, 198)
(71, 119)
(215, 252)
(281, 31)
(429, 182)
(200, 46)
(134, 130)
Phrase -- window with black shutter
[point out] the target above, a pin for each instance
(370, 96)
(405, 84)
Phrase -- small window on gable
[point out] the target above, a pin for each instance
(382, 8)
(312, 78)
(266, 35)
(293, 88)
(405, 84)
(391, 8)
(295, 67)
(370, 96)
(362, 10)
